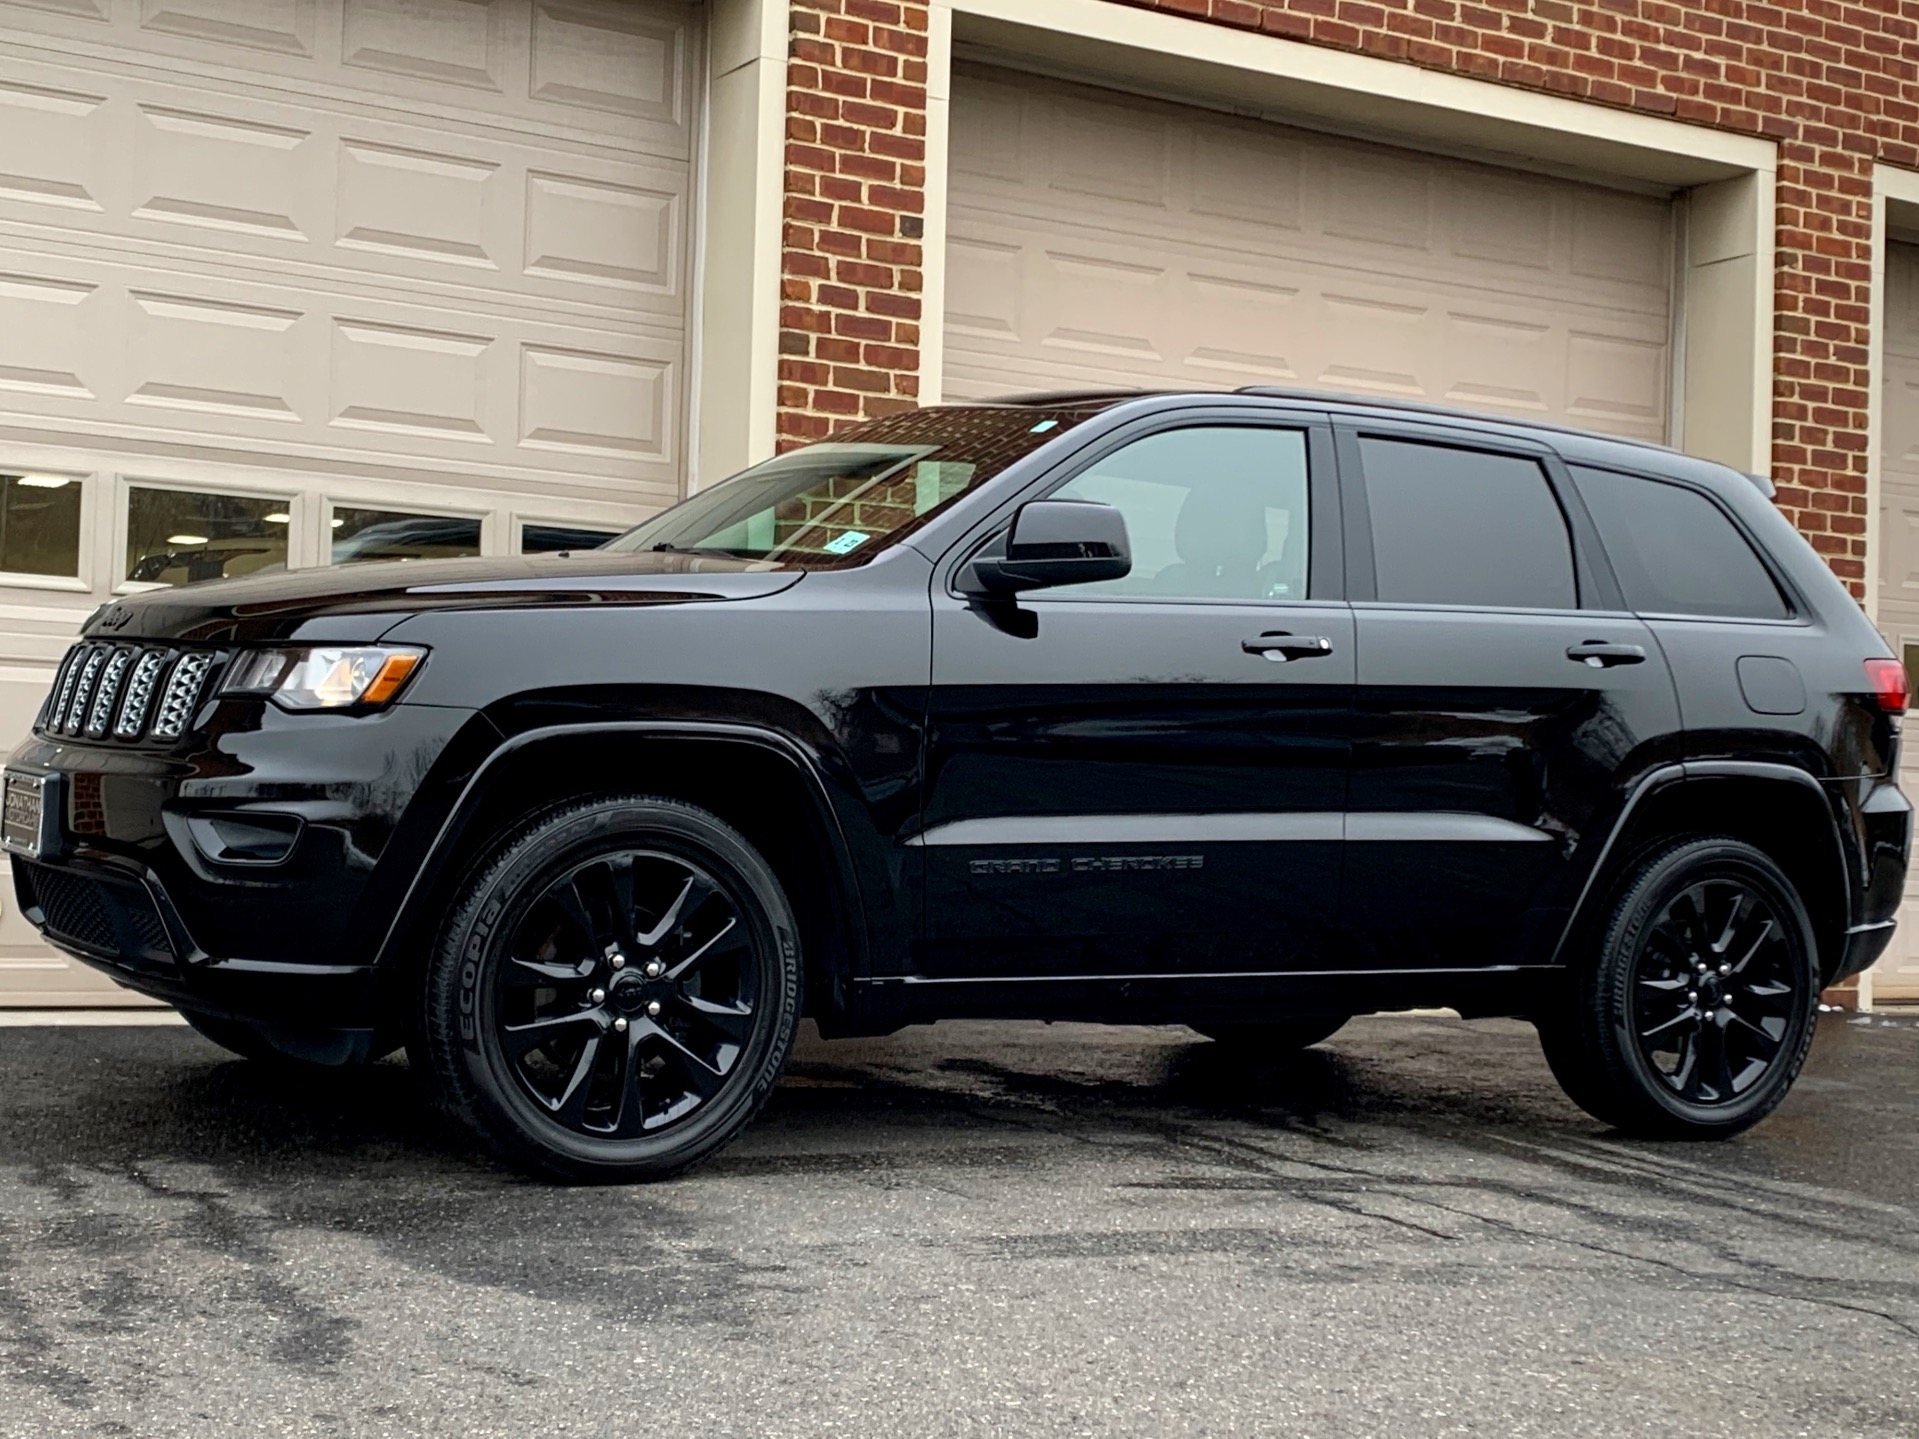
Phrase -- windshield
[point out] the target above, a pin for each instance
(842, 500)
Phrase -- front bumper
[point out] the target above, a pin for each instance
(139, 885)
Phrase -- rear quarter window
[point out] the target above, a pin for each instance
(1676, 552)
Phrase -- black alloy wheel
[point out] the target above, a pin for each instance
(1713, 990)
(618, 993)
(1695, 1014)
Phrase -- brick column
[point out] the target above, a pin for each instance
(851, 273)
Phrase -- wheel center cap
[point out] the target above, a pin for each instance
(628, 995)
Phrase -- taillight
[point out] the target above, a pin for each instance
(1887, 681)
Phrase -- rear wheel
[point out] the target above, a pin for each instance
(1693, 1015)
(1286, 1036)
(616, 993)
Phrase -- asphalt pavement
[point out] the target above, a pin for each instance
(972, 1229)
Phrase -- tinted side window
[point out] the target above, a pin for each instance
(1675, 551)
(1463, 527)
(1212, 512)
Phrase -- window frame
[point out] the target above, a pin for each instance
(1325, 567)
(1797, 614)
(83, 580)
(1595, 588)
(331, 502)
(126, 482)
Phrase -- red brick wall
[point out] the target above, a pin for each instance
(1835, 84)
(855, 197)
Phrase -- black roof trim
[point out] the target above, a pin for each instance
(1444, 412)
(1081, 398)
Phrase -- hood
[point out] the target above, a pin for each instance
(357, 603)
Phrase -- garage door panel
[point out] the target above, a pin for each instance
(279, 188)
(452, 42)
(233, 360)
(1213, 250)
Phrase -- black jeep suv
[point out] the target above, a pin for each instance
(1249, 712)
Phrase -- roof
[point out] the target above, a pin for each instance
(1058, 398)
(1107, 397)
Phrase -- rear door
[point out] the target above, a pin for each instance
(1502, 692)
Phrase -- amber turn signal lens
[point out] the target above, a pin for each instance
(386, 684)
(1888, 682)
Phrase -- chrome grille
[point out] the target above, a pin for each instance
(126, 692)
(55, 710)
(76, 715)
(189, 677)
(133, 711)
(106, 692)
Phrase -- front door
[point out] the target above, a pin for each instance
(1146, 776)
(1501, 691)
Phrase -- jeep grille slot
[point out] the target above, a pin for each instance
(76, 716)
(106, 692)
(133, 713)
(189, 677)
(128, 692)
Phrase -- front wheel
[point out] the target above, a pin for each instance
(1692, 1017)
(616, 993)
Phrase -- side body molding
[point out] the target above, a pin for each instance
(1669, 775)
(853, 914)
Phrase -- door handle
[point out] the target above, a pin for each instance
(1279, 646)
(1603, 654)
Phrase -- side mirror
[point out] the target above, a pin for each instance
(1053, 542)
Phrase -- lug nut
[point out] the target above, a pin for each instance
(655, 969)
(1724, 970)
(653, 1008)
(1692, 996)
(598, 996)
(616, 960)
(619, 1026)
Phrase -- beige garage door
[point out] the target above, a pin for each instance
(296, 282)
(1897, 975)
(1099, 239)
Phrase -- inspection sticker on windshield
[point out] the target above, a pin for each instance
(846, 543)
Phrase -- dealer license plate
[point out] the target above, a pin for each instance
(22, 814)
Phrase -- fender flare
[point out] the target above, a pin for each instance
(1665, 777)
(846, 876)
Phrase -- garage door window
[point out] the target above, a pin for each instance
(360, 535)
(39, 524)
(1675, 551)
(536, 539)
(176, 537)
(1465, 527)
(1213, 512)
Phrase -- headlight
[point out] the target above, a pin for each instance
(324, 678)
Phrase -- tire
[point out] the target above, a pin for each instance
(1691, 1016)
(1272, 1041)
(615, 992)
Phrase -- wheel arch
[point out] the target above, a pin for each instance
(1781, 810)
(756, 779)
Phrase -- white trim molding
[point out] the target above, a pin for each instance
(1729, 179)
(741, 197)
